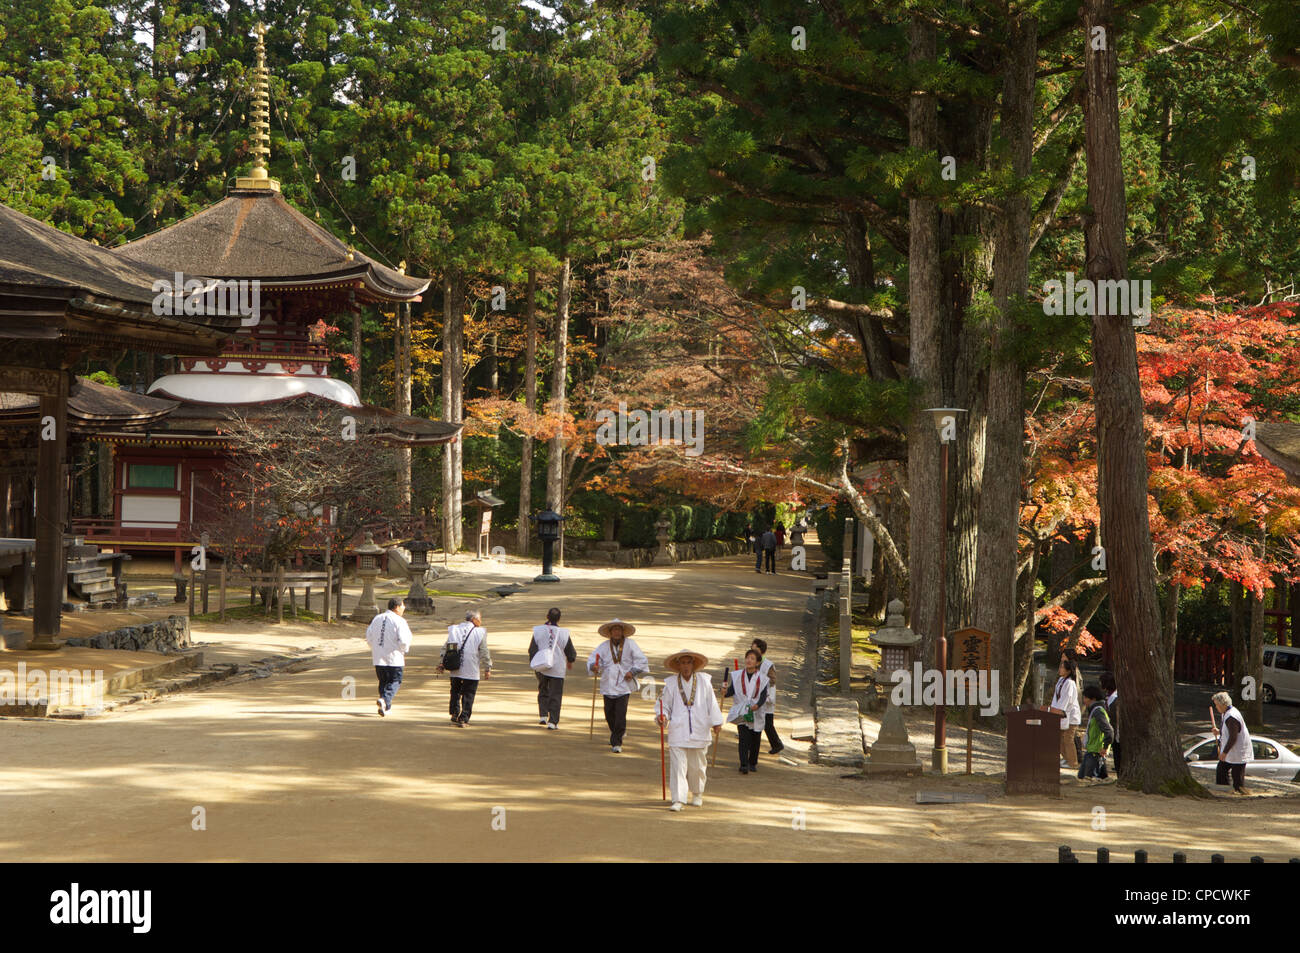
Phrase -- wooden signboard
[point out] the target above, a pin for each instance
(971, 651)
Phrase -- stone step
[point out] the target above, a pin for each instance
(81, 572)
(94, 598)
(89, 586)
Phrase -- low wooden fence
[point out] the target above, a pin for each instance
(1064, 855)
(276, 583)
(1205, 664)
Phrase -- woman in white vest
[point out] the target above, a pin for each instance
(1065, 702)
(690, 712)
(1234, 743)
(749, 686)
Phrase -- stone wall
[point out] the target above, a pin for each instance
(632, 558)
(168, 636)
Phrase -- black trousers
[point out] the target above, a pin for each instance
(616, 717)
(462, 697)
(550, 693)
(749, 739)
(773, 739)
(1238, 774)
(769, 560)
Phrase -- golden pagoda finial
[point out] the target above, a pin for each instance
(258, 178)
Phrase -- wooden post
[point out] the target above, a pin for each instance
(279, 593)
(205, 592)
(191, 592)
(221, 595)
(51, 510)
(329, 579)
(306, 597)
(338, 593)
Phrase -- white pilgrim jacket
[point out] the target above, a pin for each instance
(389, 638)
(1240, 752)
(689, 727)
(613, 675)
(474, 653)
(542, 635)
(769, 707)
(747, 689)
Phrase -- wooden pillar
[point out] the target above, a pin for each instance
(51, 505)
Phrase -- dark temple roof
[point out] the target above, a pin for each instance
(1279, 444)
(201, 422)
(91, 406)
(255, 233)
(53, 284)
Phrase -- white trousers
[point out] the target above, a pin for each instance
(686, 769)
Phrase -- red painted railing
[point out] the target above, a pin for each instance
(1207, 664)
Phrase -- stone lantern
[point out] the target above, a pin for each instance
(417, 599)
(893, 753)
(548, 531)
(368, 570)
(663, 530)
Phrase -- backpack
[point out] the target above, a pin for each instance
(452, 655)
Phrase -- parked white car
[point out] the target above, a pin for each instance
(1281, 673)
(1273, 761)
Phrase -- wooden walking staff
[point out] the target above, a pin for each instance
(713, 758)
(595, 682)
(663, 767)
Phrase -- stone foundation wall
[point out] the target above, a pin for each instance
(168, 636)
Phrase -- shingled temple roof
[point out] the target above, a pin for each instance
(49, 279)
(202, 423)
(255, 233)
(1279, 444)
(91, 406)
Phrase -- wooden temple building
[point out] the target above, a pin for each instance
(1279, 444)
(164, 476)
(63, 299)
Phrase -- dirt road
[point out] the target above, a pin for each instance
(287, 768)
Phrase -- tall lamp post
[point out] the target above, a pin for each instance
(548, 531)
(945, 424)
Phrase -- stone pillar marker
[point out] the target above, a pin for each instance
(417, 599)
(893, 753)
(663, 527)
(366, 608)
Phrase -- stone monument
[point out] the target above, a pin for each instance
(893, 753)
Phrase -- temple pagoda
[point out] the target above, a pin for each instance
(164, 480)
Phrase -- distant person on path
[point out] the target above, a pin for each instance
(779, 532)
(1112, 712)
(1234, 744)
(756, 544)
(1065, 702)
(551, 654)
(796, 533)
(1100, 736)
(471, 656)
(768, 542)
(776, 745)
(749, 687)
(389, 638)
(618, 661)
(690, 712)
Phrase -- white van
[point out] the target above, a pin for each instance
(1281, 673)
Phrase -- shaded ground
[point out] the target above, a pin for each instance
(287, 768)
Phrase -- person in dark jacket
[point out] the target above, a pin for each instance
(1112, 712)
(1099, 736)
(768, 541)
(756, 544)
